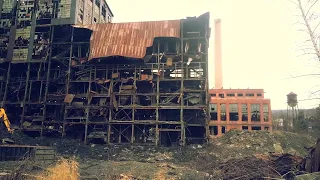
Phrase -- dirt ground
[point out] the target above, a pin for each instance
(238, 154)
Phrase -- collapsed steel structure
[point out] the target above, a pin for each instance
(138, 83)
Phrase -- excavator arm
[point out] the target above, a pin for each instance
(6, 121)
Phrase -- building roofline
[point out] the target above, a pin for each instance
(213, 89)
(109, 8)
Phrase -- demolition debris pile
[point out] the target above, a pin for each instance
(237, 154)
(238, 144)
(285, 165)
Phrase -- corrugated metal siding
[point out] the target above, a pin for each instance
(128, 39)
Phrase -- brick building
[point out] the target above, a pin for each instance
(244, 109)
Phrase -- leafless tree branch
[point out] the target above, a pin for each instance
(295, 3)
(304, 14)
(311, 7)
(305, 53)
(304, 75)
(314, 30)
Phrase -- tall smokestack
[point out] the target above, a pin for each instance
(218, 54)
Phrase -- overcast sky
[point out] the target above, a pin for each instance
(259, 39)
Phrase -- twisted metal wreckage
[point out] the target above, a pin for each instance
(138, 83)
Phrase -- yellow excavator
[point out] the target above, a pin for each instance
(6, 122)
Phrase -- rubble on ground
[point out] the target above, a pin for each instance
(237, 154)
(238, 144)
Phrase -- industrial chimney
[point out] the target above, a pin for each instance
(218, 55)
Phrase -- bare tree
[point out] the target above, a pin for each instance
(310, 21)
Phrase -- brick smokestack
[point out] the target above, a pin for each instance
(218, 54)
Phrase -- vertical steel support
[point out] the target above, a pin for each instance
(182, 133)
(6, 86)
(158, 94)
(23, 104)
(134, 101)
(109, 131)
(88, 106)
(41, 87)
(207, 116)
(30, 88)
(111, 106)
(68, 81)
(47, 80)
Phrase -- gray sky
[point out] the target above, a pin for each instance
(259, 39)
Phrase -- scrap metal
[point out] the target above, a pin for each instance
(128, 39)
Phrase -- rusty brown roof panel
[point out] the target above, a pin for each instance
(128, 39)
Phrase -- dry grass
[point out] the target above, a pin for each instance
(63, 170)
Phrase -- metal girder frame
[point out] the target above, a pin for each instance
(109, 93)
(28, 82)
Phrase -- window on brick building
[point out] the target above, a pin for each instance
(244, 110)
(223, 111)
(233, 112)
(255, 112)
(266, 112)
(214, 112)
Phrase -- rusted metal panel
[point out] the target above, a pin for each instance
(69, 98)
(128, 39)
(169, 62)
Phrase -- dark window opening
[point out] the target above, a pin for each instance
(104, 11)
(213, 95)
(266, 128)
(213, 112)
(250, 95)
(98, 3)
(259, 94)
(230, 95)
(245, 128)
(214, 116)
(223, 115)
(214, 130)
(244, 117)
(244, 110)
(223, 129)
(265, 112)
(256, 128)
(240, 95)
(233, 114)
(255, 116)
(255, 112)
(221, 95)
(168, 138)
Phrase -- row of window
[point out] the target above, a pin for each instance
(234, 107)
(255, 113)
(104, 7)
(236, 95)
(88, 14)
(214, 129)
